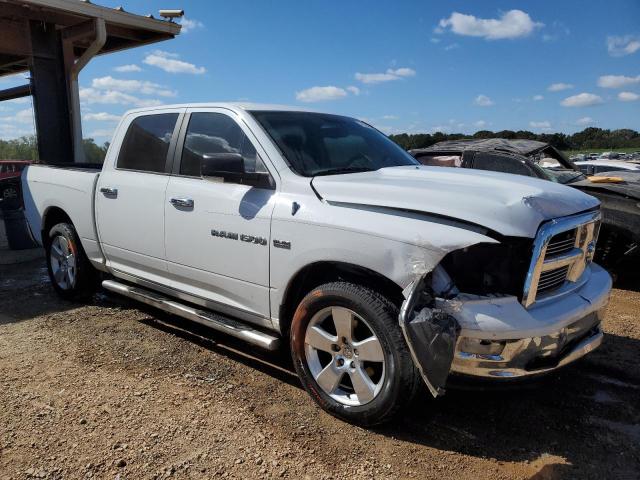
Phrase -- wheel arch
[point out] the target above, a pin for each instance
(321, 272)
(52, 216)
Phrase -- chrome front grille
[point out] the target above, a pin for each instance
(552, 279)
(561, 252)
(561, 243)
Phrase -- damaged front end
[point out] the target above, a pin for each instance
(426, 320)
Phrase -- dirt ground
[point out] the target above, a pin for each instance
(112, 390)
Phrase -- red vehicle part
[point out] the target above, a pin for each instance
(12, 168)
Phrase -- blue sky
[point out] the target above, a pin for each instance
(404, 66)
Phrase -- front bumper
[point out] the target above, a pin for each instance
(501, 339)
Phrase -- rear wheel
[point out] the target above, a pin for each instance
(70, 271)
(350, 354)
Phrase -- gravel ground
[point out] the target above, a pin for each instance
(112, 390)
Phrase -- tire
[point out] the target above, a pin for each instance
(320, 354)
(71, 274)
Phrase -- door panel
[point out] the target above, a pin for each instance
(219, 248)
(131, 223)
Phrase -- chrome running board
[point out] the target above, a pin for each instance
(210, 319)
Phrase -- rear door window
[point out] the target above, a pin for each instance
(146, 143)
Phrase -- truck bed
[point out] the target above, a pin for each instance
(68, 187)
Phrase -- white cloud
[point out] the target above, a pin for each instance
(558, 87)
(453, 46)
(628, 97)
(169, 62)
(483, 101)
(511, 24)
(16, 77)
(24, 117)
(584, 121)
(189, 25)
(102, 133)
(389, 117)
(617, 81)
(581, 100)
(537, 98)
(480, 124)
(113, 97)
(354, 90)
(10, 131)
(621, 46)
(21, 100)
(435, 40)
(441, 129)
(543, 125)
(388, 76)
(138, 86)
(128, 68)
(102, 117)
(320, 94)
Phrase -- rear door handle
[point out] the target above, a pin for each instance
(109, 192)
(182, 202)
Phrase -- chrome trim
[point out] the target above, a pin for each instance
(244, 315)
(209, 319)
(513, 360)
(109, 192)
(586, 226)
(182, 202)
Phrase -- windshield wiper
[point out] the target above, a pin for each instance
(337, 171)
(571, 179)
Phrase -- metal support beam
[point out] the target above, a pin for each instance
(50, 102)
(15, 92)
(98, 31)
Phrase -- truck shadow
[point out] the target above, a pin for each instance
(573, 419)
(31, 277)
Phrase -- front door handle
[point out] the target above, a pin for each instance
(109, 192)
(182, 202)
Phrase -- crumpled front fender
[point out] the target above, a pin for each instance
(430, 333)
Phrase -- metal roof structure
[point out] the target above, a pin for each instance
(73, 19)
(54, 40)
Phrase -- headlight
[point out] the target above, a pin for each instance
(490, 268)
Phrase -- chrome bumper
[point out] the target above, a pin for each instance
(531, 356)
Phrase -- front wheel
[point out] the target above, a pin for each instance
(72, 275)
(350, 354)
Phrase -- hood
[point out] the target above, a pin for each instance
(511, 205)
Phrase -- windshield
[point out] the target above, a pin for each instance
(564, 176)
(321, 144)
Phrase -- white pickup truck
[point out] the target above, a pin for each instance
(275, 225)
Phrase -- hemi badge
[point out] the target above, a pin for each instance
(281, 244)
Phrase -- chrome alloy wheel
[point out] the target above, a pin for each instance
(63, 263)
(344, 356)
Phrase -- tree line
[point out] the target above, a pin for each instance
(596, 138)
(26, 148)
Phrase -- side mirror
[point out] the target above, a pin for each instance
(230, 167)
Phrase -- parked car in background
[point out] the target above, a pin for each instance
(620, 231)
(277, 225)
(598, 167)
(12, 168)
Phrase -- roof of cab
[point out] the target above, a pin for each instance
(235, 106)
